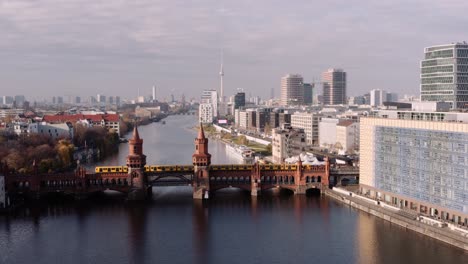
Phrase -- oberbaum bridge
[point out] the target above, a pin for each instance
(136, 178)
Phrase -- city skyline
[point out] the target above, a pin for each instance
(115, 48)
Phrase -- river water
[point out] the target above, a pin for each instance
(231, 228)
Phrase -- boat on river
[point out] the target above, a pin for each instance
(241, 152)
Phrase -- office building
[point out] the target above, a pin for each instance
(309, 122)
(239, 100)
(205, 113)
(377, 97)
(287, 142)
(347, 136)
(334, 87)
(211, 97)
(308, 93)
(101, 99)
(19, 100)
(292, 90)
(444, 74)
(417, 161)
(327, 132)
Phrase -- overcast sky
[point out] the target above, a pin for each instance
(114, 47)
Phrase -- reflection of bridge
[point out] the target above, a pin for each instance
(136, 178)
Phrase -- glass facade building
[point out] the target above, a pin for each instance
(416, 163)
(431, 166)
(444, 74)
(334, 87)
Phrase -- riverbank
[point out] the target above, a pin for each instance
(403, 219)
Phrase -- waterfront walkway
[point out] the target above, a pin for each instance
(403, 218)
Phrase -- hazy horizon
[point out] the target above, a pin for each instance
(81, 48)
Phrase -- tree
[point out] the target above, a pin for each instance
(65, 152)
(242, 140)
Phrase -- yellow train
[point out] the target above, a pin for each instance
(168, 168)
(189, 168)
(110, 169)
(231, 167)
(278, 167)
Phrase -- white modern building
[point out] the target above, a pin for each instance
(417, 161)
(347, 136)
(377, 97)
(310, 123)
(287, 142)
(205, 113)
(292, 90)
(211, 97)
(428, 106)
(444, 74)
(244, 119)
(54, 131)
(327, 132)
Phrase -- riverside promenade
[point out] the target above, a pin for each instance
(402, 218)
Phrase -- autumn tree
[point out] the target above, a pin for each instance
(65, 152)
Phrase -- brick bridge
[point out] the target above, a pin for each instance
(136, 178)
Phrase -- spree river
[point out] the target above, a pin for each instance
(230, 228)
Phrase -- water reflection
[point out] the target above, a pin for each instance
(200, 232)
(137, 220)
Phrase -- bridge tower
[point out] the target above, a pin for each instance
(201, 161)
(136, 162)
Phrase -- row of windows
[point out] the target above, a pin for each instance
(462, 53)
(434, 87)
(446, 79)
(447, 68)
(435, 62)
(462, 79)
(439, 54)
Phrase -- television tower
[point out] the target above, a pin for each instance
(221, 75)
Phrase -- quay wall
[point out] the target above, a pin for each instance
(441, 234)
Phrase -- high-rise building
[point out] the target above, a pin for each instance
(377, 97)
(392, 97)
(205, 113)
(292, 90)
(416, 161)
(59, 100)
(19, 100)
(239, 100)
(211, 97)
(334, 87)
(444, 74)
(101, 98)
(117, 100)
(308, 93)
(154, 94)
(111, 100)
(77, 100)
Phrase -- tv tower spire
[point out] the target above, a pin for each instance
(221, 75)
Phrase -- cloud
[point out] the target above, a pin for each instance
(179, 42)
